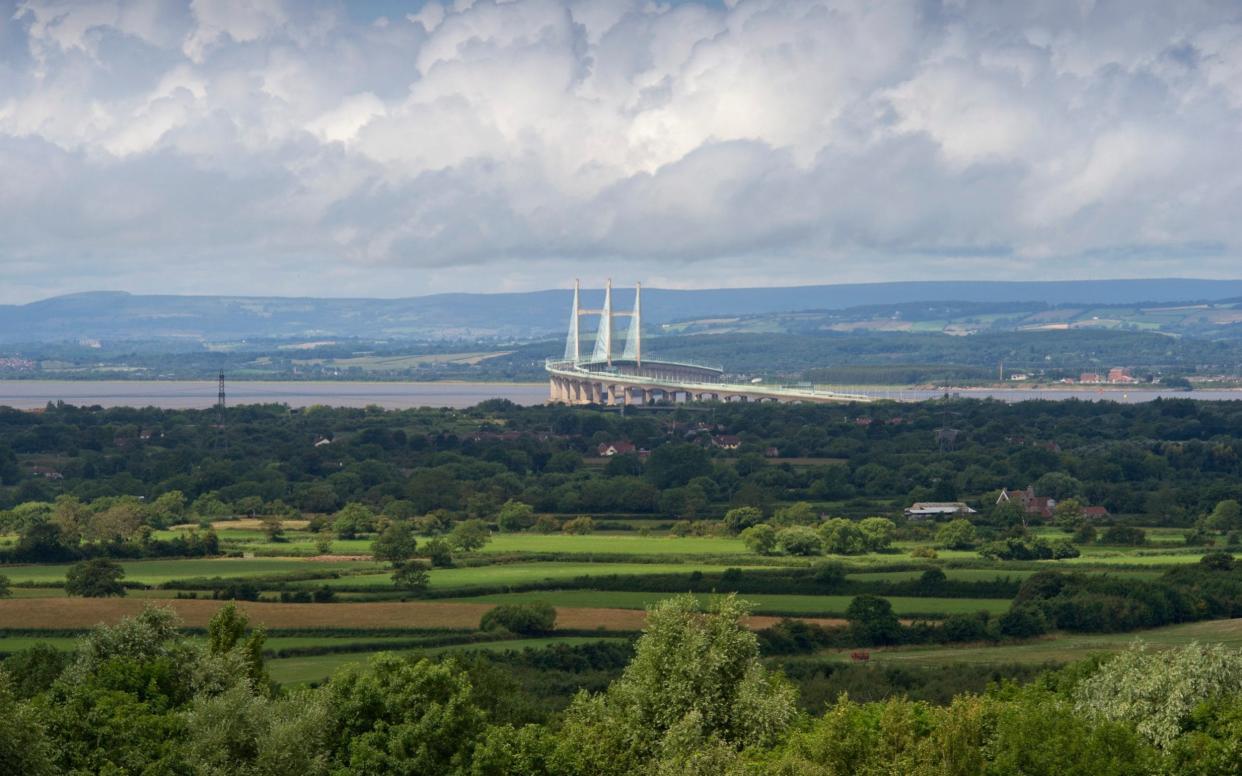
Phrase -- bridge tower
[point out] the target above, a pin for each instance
(602, 352)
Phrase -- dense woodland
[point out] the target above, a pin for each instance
(1166, 462)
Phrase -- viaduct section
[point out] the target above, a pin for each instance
(603, 377)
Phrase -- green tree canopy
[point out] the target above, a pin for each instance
(95, 578)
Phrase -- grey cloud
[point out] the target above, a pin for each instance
(146, 144)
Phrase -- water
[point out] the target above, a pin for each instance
(200, 394)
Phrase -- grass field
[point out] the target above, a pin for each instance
(800, 605)
(154, 572)
(517, 573)
(619, 543)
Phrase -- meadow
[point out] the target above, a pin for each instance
(371, 614)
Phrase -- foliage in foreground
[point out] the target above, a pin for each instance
(695, 698)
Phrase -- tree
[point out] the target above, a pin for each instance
(24, 745)
(579, 525)
(96, 578)
(43, 543)
(1067, 513)
(515, 516)
(225, 634)
(1158, 691)
(879, 532)
(395, 716)
(470, 535)
(872, 620)
(799, 513)
(1127, 535)
(119, 522)
(396, 543)
(956, 534)
(273, 528)
(529, 619)
(674, 465)
(5, 591)
(760, 539)
(696, 675)
(353, 519)
(1058, 485)
(439, 552)
(739, 519)
(72, 517)
(1226, 516)
(547, 524)
(843, 537)
(410, 575)
(799, 540)
(1023, 622)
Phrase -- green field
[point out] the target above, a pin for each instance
(154, 572)
(804, 605)
(517, 573)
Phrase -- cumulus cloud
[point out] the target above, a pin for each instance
(313, 146)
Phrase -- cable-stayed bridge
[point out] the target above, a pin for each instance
(628, 378)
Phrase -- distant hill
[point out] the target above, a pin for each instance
(122, 316)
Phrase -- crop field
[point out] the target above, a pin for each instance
(367, 600)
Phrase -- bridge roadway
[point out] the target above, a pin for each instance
(626, 382)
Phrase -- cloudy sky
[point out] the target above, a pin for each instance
(397, 148)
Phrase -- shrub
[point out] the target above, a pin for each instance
(843, 537)
(515, 516)
(1023, 622)
(526, 619)
(760, 539)
(1125, 535)
(957, 534)
(579, 526)
(967, 627)
(799, 540)
(739, 519)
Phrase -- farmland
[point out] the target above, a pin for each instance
(309, 520)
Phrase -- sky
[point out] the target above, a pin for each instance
(306, 147)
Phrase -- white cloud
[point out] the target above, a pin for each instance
(840, 139)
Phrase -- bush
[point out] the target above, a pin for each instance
(526, 619)
(843, 537)
(1023, 622)
(1124, 535)
(799, 540)
(760, 539)
(515, 516)
(579, 526)
(957, 534)
(967, 627)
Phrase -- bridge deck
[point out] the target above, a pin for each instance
(593, 373)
